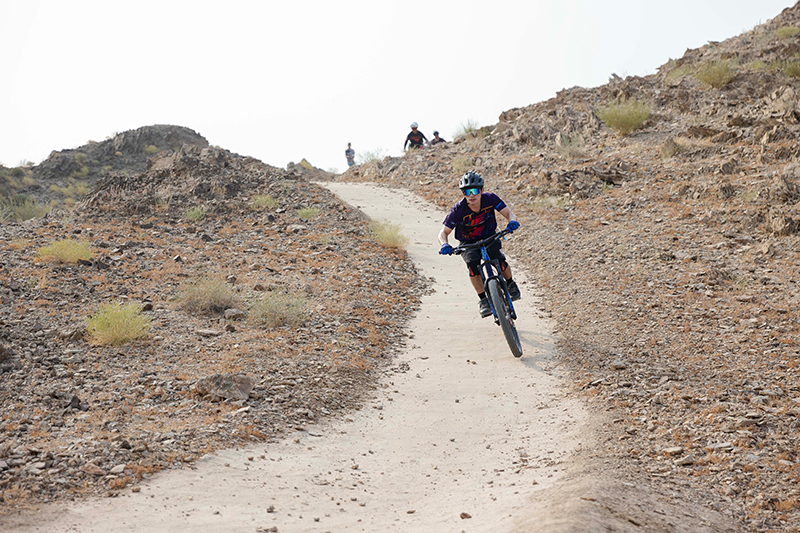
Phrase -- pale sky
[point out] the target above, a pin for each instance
(284, 80)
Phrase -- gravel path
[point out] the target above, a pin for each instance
(458, 438)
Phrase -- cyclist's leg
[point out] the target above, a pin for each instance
(495, 251)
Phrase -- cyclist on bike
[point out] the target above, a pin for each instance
(473, 219)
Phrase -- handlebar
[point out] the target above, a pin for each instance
(461, 248)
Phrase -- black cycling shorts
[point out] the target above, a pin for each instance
(472, 258)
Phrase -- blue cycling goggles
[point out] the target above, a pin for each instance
(472, 192)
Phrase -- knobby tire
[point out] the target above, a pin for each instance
(500, 305)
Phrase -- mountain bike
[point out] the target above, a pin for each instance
(495, 286)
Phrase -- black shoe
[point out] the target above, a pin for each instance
(513, 290)
(484, 308)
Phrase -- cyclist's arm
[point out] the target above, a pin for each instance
(444, 233)
(506, 212)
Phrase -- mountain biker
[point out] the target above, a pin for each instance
(415, 138)
(436, 139)
(473, 219)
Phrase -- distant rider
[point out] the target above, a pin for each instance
(474, 220)
(415, 138)
(350, 154)
(436, 139)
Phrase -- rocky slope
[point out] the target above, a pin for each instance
(669, 259)
(78, 417)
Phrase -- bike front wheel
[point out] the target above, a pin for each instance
(500, 304)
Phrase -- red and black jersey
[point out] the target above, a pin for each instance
(415, 138)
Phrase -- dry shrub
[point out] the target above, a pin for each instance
(208, 295)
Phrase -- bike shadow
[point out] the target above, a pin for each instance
(537, 349)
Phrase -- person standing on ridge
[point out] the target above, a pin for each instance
(415, 138)
(473, 219)
(350, 154)
(436, 139)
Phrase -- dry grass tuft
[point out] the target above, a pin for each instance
(117, 324)
(387, 234)
(625, 117)
(278, 308)
(208, 295)
(66, 251)
(716, 73)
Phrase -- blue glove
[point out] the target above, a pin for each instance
(446, 249)
(512, 226)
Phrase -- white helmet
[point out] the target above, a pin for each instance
(414, 125)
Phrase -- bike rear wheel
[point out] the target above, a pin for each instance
(500, 305)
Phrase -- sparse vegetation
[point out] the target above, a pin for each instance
(792, 68)
(370, 155)
(260, 201)
(543, 203)
(195, 214)
(66, 251)
(670, 148)
(387, 234)
(570, 145)
(466, 127)
(150, 149)
(208, 295)
(624, 117)
(462, 164)
(308, 212)
(277, 308)
(716, 73)
(20, 208)
(787, 32)
(117, 324)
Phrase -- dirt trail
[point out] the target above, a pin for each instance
(458, 426)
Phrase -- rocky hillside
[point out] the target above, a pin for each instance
(668, 258)
(66, 176)
(268, 304)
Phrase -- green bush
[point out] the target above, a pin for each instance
(716, 73)
(150, 149)
(80, 158)
(624, 117)
(387, 234)
(277, 308)
(787, 32)
(117, 324)
(260, 201)
(195, 213)
(66, 251)
(208, 295)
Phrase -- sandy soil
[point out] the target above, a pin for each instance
(461, 437)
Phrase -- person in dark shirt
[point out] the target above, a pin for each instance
(350, 154)
(415, 138)
(436, 139)
(473, 219)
